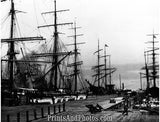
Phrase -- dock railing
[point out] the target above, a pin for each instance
(35, 113)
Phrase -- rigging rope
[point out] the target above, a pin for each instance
(36, 16)
(5, 19)
(46, 23)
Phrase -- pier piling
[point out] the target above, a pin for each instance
(42, 114)
(38, 112)
(54, 109)
(35, 114)
(48, 110)
(59, 107)
(27, 116)
(64, 107)
(18, 117)
(8, 118)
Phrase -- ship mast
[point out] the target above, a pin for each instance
(154, 72)
(110, 75)
(119, 82)
(54, 72)
(99, 75)
(147, 72)
(76, 63)
(75, 56)
(55, 48)
(11, 42)
(98, 66)
(105, 61)
(153, 59)
(11, 52)
(140, 80)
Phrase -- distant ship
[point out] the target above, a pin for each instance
(151, 68)
(103, 77)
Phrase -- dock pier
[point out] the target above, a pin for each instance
(35, 113)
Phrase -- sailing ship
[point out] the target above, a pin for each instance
(63, 77)
(103, 77)
(44, 70)
(76, 71)
(13, 74)
(149, 95)
(151, 68)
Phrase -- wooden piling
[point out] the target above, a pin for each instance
(27, 116)
(54, 109)
(8, 118)
(59, 108)
(18, 117)
(35, 114)
(42, 114)
(64, 107)
(48, 110)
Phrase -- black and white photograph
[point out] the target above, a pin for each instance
(79, 60)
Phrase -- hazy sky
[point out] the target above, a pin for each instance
(121, 24)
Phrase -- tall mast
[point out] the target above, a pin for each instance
(105, 61)
(105, 65)
(154, 68)
(76, 54)
(119, 81)
(75, 58)
(54, 72)
(110, 76)
(11, 46)
(98, 65)
(154, 72)
(140, 80)
(55, 58)
(147, 72)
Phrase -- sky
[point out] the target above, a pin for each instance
(121, 24)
